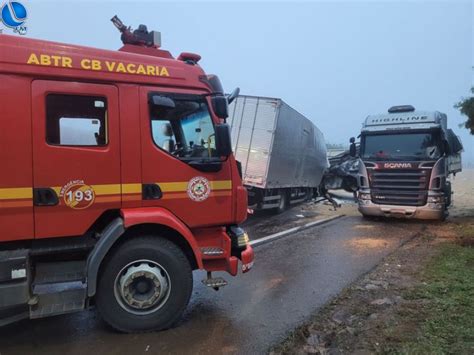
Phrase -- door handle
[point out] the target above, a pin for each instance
(151, 192)
(45, 196)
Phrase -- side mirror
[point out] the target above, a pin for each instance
(233, 95)
(220, 106)
(162, 101)
(447, 148)
(352, 148)
(223, 141)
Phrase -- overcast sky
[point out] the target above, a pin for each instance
(335, 62)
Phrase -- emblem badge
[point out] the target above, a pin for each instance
(77, 195)
(198, 189)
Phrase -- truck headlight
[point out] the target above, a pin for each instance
(364, 196)
(435, 199)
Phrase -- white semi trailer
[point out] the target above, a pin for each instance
(406, 160)
(282, 153)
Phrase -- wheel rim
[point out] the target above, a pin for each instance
(142, 287)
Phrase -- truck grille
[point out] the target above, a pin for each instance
(404, 187)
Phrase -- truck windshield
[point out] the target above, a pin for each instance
(185, 131)
(406, 146)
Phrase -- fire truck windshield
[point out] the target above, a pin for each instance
(186, 130)
(401, 146)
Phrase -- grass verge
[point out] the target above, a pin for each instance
(446, 299)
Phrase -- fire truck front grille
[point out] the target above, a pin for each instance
(404, 187)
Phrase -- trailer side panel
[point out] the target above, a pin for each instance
(252, 121)
(298, 156)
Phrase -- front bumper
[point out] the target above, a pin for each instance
(232, 263)
(433, 211)
(234, 246)
(247, 258)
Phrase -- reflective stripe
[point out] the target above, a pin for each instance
(183, 185)
(16, 193)
(109, 189)
(173, 186)
(131, 188)
(221, 185)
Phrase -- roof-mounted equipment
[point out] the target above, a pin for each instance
(139, 37)
(401, 108)
(189, 58)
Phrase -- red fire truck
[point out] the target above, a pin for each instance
(117, 181)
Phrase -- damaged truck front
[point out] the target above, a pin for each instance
(406, 160)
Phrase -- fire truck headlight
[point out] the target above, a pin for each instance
(239, 237)
(243, 240)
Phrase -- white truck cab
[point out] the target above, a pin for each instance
(406, 160)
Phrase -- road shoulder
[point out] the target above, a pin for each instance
(399, 304)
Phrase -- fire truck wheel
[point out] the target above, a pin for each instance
(145, 285)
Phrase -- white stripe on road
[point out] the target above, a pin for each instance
(284, 233)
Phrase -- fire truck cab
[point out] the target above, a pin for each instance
(117, 180)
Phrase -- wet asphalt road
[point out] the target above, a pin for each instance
(292, 278)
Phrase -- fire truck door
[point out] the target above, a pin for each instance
(76, 156)
(177, 135)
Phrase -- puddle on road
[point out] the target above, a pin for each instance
(273, 283)
(362, 245)
(363, 226)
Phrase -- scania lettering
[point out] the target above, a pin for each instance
(117, 181)
(406, 160)
(397, 165)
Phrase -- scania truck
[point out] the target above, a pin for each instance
(117, 181)
(406, 160)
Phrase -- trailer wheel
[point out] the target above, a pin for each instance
(283, 205)
(145, 285)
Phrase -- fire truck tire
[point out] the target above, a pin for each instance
(145, 285)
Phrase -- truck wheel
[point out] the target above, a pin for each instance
(145, 285)
(448, 193)
(370, 218)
